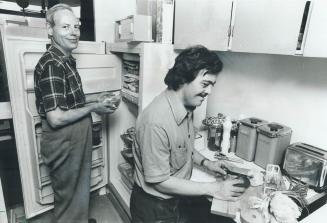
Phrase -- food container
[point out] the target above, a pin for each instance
(215, 131)
(96, 134)
(128, 155)
(247, 137)
(273, 139)
(110, 99)
(127, 172)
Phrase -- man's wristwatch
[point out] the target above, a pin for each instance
(202, 161)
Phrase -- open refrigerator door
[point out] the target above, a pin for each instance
(23, 44)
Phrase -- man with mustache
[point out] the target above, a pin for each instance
(66, 143)
(163, 147)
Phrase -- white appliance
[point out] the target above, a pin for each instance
(23, 43)
(100, 66)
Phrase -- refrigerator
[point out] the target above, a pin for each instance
(101, 67)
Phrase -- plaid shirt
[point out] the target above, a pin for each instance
(57, 82)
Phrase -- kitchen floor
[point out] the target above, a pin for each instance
(101, 209)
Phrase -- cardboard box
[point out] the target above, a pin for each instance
(134, 28)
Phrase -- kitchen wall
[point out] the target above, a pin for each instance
(286, 89)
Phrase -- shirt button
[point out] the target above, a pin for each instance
(189, 136)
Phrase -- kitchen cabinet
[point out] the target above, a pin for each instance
(154, 60)
(270, 26)
(23, 46)
(203, 22)
(253, 26)
(316, 44)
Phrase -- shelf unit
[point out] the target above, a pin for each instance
(154, 61)
(130, 77)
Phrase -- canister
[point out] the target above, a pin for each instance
(273, 139)
(247, 137)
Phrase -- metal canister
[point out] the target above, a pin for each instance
(273, 139)
(247, 138)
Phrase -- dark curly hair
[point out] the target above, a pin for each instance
(189, 62)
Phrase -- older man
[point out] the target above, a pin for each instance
(163, 149)
(66, 144)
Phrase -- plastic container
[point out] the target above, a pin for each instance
(247, 137)
(273, 140)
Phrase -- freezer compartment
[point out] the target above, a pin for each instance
(130, 77)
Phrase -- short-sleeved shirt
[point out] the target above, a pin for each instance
(164, 143)
(57, 82)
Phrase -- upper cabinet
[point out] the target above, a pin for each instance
(254, 26)
(205, 22)
(316, 44)
(270, 26)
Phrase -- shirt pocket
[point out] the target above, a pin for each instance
(178, 157)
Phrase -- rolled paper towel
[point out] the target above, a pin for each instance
(225, 144)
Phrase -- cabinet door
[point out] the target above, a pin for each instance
(203, 22)
(270, 26)
(316, 40)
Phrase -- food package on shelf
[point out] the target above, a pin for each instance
(127, 171)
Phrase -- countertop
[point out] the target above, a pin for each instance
(200, 175)
(319, 216)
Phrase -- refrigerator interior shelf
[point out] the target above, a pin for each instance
(130, 96)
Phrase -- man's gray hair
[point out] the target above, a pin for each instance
(53, 10)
